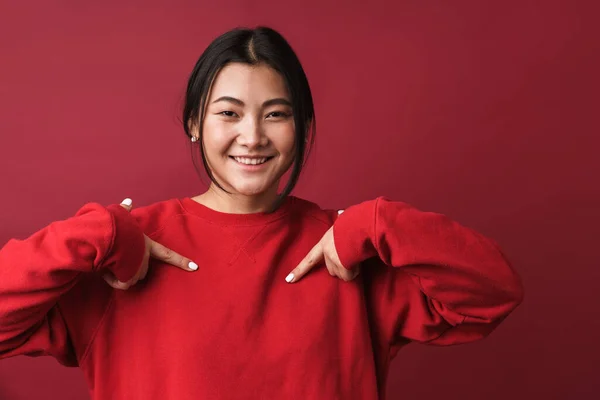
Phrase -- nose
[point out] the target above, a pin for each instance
(251, 134)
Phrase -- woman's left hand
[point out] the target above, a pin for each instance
(324, 250)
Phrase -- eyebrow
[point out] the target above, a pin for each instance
(271, 102)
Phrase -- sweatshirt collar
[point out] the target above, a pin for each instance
(191, 206)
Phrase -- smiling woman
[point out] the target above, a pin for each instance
(248, 137)
(239, 103)
(272, 296)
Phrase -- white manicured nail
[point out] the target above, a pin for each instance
(127, 202)
(193, 266)
(289, 278)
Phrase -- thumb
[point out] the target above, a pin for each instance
(314, 257)
(126, 204)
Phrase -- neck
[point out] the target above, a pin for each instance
(235, 203)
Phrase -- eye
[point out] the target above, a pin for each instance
(278, 114)
(227, 113)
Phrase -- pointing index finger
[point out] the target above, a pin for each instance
(313, 257)
(167, 255)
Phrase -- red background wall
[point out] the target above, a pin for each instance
(484, 111)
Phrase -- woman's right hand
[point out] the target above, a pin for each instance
(155, 250)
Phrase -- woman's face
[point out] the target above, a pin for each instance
(248, 129)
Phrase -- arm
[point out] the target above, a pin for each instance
(36, 272)
(449, 285)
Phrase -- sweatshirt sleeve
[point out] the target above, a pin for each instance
(449, 284)
(37, 271)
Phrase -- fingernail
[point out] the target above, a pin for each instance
(290, 277)
(193, 266)
(127, 202)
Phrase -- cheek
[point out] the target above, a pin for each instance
(215, 138)
(284, 140)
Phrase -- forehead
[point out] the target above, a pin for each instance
(248, 83)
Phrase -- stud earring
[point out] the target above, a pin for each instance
(194, 139)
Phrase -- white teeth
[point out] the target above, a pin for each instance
(250, 161)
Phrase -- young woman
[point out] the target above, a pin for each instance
(274, 298)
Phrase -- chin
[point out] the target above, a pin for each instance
(249, 190)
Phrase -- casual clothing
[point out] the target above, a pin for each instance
(234, 329)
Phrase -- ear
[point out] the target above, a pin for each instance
(192, 125)
(193, 129)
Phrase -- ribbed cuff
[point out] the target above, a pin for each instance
(354, 233)
(128, 245)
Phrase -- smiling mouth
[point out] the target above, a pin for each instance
(251, 161)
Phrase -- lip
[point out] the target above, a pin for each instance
(253, 157)
(250, 167)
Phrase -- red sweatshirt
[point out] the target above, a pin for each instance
(234, 329)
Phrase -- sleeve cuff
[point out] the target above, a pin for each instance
(126, 253)
(354, 233)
